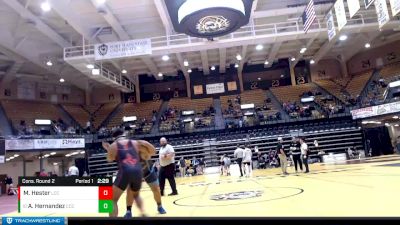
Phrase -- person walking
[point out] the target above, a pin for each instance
(239, 154)
(73, 171)
(247, 161)
(282, 156)
(182, 167)
(167, 163)
(296, 153)
(304, 153)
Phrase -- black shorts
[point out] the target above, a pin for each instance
(246, 163)
(132, 177)
(150, 178)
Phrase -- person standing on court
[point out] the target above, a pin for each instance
(167, 163)
(296, 153)
(282, 156)
(238, 154)
(304, 153)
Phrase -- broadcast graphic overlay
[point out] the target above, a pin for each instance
(64, 195)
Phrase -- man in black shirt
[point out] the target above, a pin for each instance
(282, 156)
(295, 150)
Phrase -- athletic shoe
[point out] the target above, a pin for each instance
(128, 215)
(161, 210)
(173, 193)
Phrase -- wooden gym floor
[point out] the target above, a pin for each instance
(364, 188)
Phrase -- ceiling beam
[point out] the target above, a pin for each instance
(325, 48)
(64, 11)
(181, 64)
(244, 55)
(42, 27)
(164, 15)
(222, 60)
(362, 39)
(151, 66)
(112, 20)
(272, 55)
(308, 45)
(12, 72)
(204, 62)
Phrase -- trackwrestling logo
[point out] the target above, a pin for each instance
(236, 195)
(33, 220)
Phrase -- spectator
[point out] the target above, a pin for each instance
(43, 173)
(182, 167)
(73, 171)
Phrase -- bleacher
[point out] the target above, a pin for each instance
(333, 88)
(292, 94)
(102, 113)
(28, 111)
(187, 104)
(78, 113)
(332, 136)
(357, 83)
(142, 111)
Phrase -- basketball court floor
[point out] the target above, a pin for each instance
(364, 188)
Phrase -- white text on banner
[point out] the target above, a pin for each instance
(382, 12)
(330, 23)
(121, 49)
(395, 5)
(215, 88)
(354, 6)
(340, 14)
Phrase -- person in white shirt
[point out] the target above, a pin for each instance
(247, 161)
(167, 163)
(73, 171)
(304, 153)
(239, 154)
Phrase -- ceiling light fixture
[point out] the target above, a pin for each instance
(49, 63)
(165, 58)
(185, 63)
(160, 74)
(266, 62)
(259, 78)
(395, 117)
(238, 57)
(62, 80)
(312, 61)
(236, 65)
(213, 68)
(367, 45)
(343, 37)
(124, 71)
(90, 66)
(53, 153)
(189, 70)
(95, 71)
(292, 59)
(45, 6)
(259, 47)
(16, 155)
(100, 2)
(302, 50)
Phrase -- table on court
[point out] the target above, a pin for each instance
(65, 195)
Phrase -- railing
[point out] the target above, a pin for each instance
(250, 30)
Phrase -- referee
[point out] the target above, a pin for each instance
(167, 163)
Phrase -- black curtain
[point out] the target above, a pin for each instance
(379, 140)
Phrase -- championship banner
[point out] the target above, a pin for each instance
(120, 49)
(215, 88)
(395, 5)
(382, 12)
(340, 14)
(354, 6)
(330, 24)
(368, 3)
(371, 111)
(2, 151)
(30, 144)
